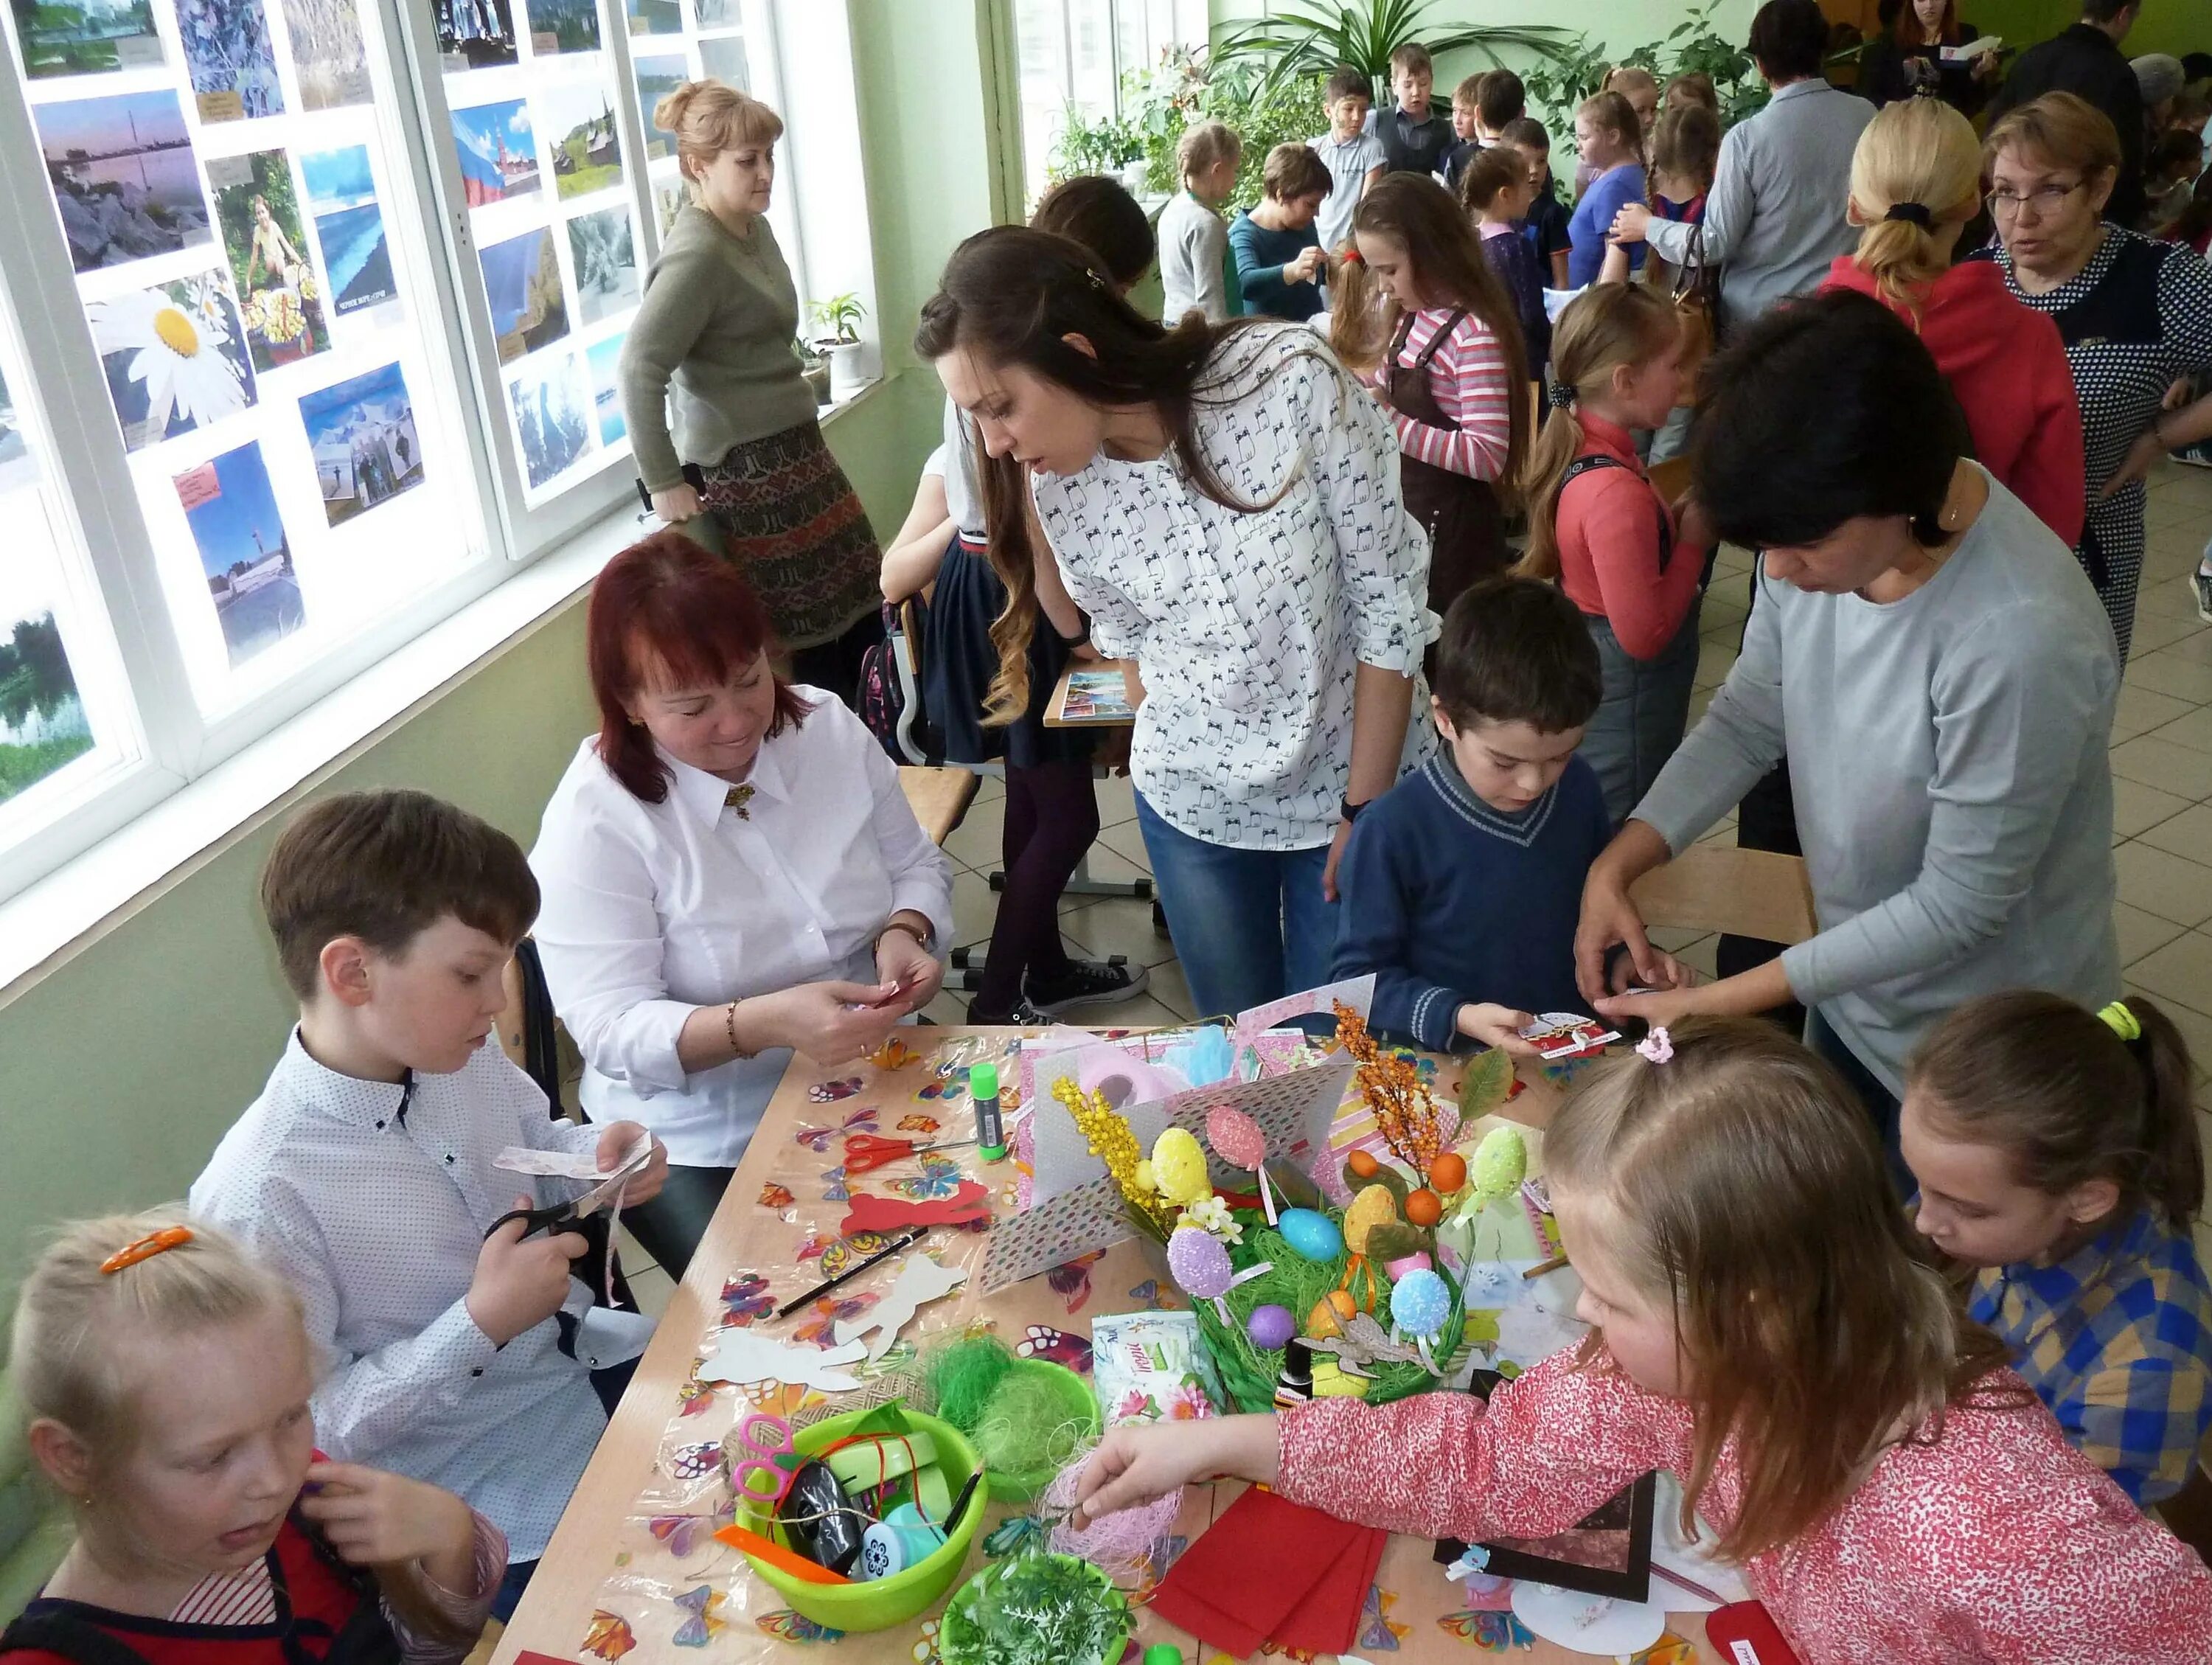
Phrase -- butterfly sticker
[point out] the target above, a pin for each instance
(894, 1055)
(776, 1197)
(1151, 1298)
(925, 1650)
(948, 1089)
(692, 1462)
(939, 1178)
(1493, 1632)
(836, 1254)
(684, 1535)
(782, 1398)
(608, 1636)
(1167, 1549)
(1071, 1280)
(828, 1092)
(1055, 1347)
(1668, 1650)
(919, 1123)
(699, 1629)
(788, 1626)
(695, 1396)
(746, 1297)
(834, 1188)
(828, 1313)
(1014, 1535)
(1377, 1630)
(1276, 1651)
(860, 1120)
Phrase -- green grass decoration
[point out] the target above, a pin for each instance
(1026, 1428)
(1249, 1373)
(964, 1374)
(1035, 1609)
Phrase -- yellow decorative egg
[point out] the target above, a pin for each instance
(1179, 1167)
(1372, 1207)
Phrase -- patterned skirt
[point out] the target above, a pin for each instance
(790, 523)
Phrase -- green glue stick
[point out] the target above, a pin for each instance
(990, 1132)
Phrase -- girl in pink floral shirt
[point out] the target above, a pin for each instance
(1892, 1493)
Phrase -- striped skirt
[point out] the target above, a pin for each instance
(790, 523)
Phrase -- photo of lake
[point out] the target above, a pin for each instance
(87, 38)
(124, 177)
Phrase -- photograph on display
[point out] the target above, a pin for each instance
(669, 196)
(174, 356)
(86, 37)
(604, 359)
(327, 54)
(124, 177)
(231, 58)
(349, 226)
(551, 414)
(498, 151)
(654, 16)
(362, 433)
(522, 283)
(605, 256)
(720, 14)
(657, 77)
(42, 721)
(475, 34)
(563, 25)
(243, 551)
(724, 59)
(580, 131)
(18, 466)
(263, 235)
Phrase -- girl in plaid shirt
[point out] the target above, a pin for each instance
(2058, 1154)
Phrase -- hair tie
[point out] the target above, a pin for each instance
(1096, 282)
(1561, 396)
(1912, 213)
(1350, 255)
(2122, 1022)
(1656, 1047)
(152, 1243)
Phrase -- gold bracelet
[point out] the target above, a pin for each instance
(730, 1028)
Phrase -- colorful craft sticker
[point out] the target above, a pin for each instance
(916, 1122)
(691, 1462)
(608, 1637)
(1151, 1298)
(949, 1089)
(1014, 1535)
(684, 1535)
(939, 1178)
(1055, 1346)
(1167, 1549)
(834, 1188)
(1493, 1632)
(894, 1055)
(788, 1626)
(924, 1650)
(1277, 1650)
(1071, 1280)
(861, 1120)
(1668, 1650)
(746, 1297)
(1377, 1630)
(695, 1396)
(828, 1092)
(783, 1399)
(836, 1254)
(828, 1312)
(699, 1629)
(773, 1195)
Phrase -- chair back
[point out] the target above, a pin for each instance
(1717, 887)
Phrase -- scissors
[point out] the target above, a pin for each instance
(773, 1459)
(551, 1217)
(864, 1152)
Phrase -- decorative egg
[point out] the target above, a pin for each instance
(1424, 1207)
(1448, 1172)
(1420, 1302)
(1372, 1207)
(1236, 1138)
(1416, 1261)
(1179, 1167)
(1198, 1262)
(1270, 1326)
(1311, 1234)
(1501, 1162)
(1329, 1314)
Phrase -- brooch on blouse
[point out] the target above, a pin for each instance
(736, 799)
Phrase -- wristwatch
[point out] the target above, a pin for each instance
(1351, 810)
(926, 936)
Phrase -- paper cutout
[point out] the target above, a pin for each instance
(1562, 1034)
(744, 1355)
(920, 1279)
(971, 1202)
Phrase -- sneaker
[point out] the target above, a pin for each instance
(1087, 983)
(2200, 582)
(1023, 1016)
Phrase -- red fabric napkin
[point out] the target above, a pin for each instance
(1259, 1562)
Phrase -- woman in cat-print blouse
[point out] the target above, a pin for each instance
(1223, 504)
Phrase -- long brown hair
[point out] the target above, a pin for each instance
(1746, 1194)
(1907, 32)
(1012, 295)
(2054, 1086)
(1609, 325)
(1443, 253)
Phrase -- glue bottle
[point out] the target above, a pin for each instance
(1295, 1386)
(990, 1134)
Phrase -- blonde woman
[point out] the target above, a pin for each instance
(1197, 272)
(717, 323)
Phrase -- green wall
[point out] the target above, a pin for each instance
(2166, 26)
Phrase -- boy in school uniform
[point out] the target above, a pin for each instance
(1461, 885)
(365, 1170)
(1415, 134)
(1545, 226)
(1353, 155)
(1482, 108)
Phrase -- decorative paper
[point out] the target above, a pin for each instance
(969, 1201)
(745, 1355)
(920, 1279)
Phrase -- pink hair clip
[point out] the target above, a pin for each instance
(1656, 1047)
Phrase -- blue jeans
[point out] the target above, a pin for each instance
(1249, 926)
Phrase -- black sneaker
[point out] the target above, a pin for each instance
(1023, 1016)
(2200, 582)
(1087, 983)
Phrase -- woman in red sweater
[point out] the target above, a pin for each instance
(1915, 181)
(1597, 526)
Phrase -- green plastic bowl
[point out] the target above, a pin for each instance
(876, 1604)
(1081, 1404)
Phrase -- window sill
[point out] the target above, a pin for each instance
(48, 923)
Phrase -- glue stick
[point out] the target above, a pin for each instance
(990, 1134)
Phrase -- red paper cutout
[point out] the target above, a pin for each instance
(886, 1214)
(1264, 1564)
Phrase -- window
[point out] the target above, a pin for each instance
(1074, 55)
(313, 312)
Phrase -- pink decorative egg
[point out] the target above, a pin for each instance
(1236, 1138)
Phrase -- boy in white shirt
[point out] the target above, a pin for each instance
(1355, 156)
(449, 1352)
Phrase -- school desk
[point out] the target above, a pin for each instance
(634, 1573)
(1055, 710)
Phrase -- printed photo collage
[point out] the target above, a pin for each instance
(217, 168)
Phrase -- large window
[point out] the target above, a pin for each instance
(1074, 55)
(313, 314)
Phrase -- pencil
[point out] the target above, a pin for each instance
(906, 1239)
(1543, 1267)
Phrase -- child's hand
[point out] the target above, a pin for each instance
(1629, 225)
(1134, 1465)
(1496, 1025)
(615, 1147)
(518, 1283)
(371, 1518)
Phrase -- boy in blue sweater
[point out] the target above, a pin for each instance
(1462, 885)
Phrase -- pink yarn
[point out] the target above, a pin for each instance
(1119, 1545)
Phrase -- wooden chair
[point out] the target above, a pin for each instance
(939, 797)
(1715, 887)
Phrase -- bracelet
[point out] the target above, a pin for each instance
(921, 938)
(730, 1028)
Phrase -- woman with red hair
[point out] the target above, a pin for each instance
(1922, 54)
(730, 873)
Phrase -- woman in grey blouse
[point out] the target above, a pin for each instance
(1943, 678)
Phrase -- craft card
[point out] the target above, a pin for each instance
(1607, 1553)
(1563, 1035)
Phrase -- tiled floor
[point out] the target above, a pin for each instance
(2162, 781)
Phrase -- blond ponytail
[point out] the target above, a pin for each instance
(1917, 169)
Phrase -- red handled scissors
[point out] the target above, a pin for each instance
(864, 1152)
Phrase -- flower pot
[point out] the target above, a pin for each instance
(818, 378)
(844, 372)
(1133, 176)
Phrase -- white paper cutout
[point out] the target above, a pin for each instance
(920, 1279)
(744, 1355)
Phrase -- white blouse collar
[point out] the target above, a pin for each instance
(703, 795)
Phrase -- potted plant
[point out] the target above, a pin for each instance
(1309, 36)
(837, 324)
(814, 367)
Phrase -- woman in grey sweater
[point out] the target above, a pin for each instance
(1942, 678)
(714, 338)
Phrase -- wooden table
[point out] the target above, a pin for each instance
(1055, 710)
(938, 797)
(611, 1575)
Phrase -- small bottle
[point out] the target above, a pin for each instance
(1295, 1386)
(990, 1134)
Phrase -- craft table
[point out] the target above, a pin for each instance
(636, 1538)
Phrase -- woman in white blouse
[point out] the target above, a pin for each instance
(730, 872)
(1222, 502)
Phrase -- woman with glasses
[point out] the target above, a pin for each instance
(2136, 316)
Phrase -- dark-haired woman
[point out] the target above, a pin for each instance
(730, 873)
(1941, 675)
(1222, 502)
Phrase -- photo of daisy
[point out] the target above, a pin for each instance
(174, 356)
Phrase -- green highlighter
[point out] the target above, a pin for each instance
(990, 1132)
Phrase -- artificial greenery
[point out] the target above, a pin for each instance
(1306, 38)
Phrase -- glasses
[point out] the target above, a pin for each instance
(2005, 204)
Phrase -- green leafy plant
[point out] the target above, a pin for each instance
(1184, 87)
(1695, 45)
(1307, 37)
(1093, 147)
(838, 319)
